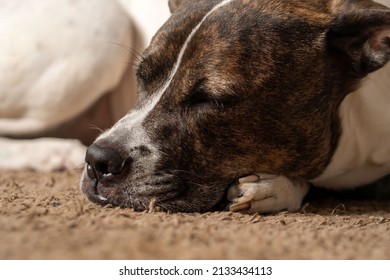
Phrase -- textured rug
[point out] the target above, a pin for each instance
(45, 216)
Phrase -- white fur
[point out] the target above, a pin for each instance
(147, 15)
(267, 194)
(363, 153)
(58, 57)
(65, 154)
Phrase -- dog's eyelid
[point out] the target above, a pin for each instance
(222, 98)
(201, 97)
(223, 95)
(210, 93)
(200, 93)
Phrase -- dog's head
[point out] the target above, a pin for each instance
(235, 87)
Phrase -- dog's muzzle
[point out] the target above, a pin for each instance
(125, 179)
(104, 166)
(103, 163)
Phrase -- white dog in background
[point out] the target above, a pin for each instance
(65, 65)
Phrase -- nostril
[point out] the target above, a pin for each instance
(102, 167)
(103, 162)
(91, 172)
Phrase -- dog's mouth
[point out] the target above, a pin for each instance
(160, 192)
(138, 194)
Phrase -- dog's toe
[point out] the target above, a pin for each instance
(266, 194)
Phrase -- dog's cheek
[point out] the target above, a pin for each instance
(168, 130)
(223, 144)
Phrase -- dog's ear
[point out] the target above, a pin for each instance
(174, 4)
(363, 37)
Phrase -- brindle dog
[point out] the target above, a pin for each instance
(253, 95)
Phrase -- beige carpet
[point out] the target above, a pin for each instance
(45, 216)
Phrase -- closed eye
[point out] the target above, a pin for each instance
(201, 98)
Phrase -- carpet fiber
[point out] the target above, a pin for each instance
(45, 216)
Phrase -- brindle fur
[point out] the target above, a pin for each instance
(258, 91)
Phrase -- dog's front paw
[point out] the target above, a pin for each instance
(266, 194)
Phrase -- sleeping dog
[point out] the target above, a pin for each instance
(251, 99)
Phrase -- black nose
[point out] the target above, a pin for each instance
(103, 162)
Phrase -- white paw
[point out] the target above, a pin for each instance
(266, 194)
(43, 154)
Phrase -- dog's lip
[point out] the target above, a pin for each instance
(161, 189)
(90, 188)
(169, 192)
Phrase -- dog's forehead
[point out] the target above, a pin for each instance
(241, 15)
(227, 37)
(227, 25)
